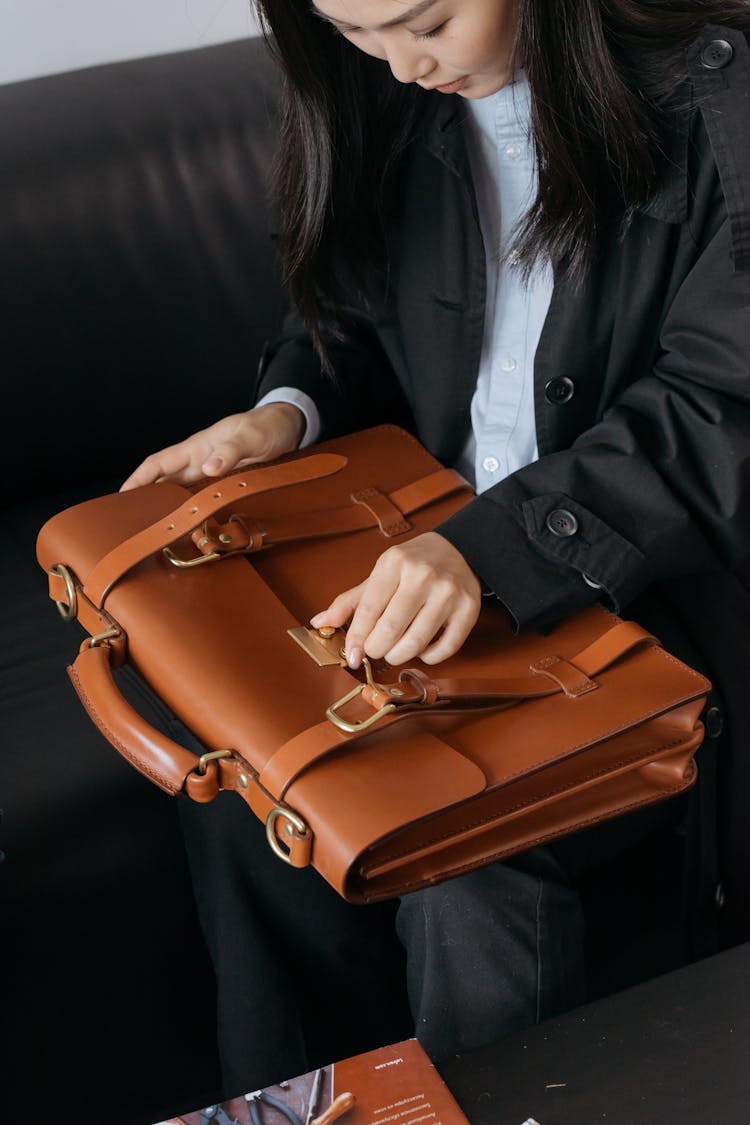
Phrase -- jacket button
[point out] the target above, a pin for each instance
(561, 522)
(717, 54)
(559, 390)
(719, 896)
(714, 722)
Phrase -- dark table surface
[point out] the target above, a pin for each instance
(673, 1050)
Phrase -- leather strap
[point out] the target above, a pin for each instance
(200, 507)
(421, 692)
(369, 508)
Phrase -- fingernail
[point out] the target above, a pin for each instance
(212, 465)
(354, 657)
(318, 619)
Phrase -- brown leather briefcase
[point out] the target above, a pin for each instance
(385, 779)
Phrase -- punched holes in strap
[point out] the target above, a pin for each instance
(391, 521)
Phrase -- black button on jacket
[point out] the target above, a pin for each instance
(651, 455)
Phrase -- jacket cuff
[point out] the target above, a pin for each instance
(545, 557)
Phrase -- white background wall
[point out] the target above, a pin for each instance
(45, 36)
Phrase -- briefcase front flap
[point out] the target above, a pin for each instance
(351, 800)
(536, 810)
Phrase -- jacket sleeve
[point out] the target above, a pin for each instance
(361, 389)
(659, 487)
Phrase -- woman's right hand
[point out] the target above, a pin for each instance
(261, 434)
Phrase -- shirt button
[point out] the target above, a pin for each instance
(561, 522)
(490, 464)
(512, 151)
(717, 54)
(559, 390)
(508, 363)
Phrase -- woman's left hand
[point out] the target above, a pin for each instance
(416, 590)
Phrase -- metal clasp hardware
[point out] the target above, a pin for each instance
(294, 824)
(325, 646)
(184, 564)
(211, 756)
(353, 728)
(69, 611)
(108, 635)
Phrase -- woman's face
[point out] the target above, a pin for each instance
(454, 46)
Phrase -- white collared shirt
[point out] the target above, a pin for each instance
(503, 433)
(501, 152)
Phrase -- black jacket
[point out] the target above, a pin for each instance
(642, 394)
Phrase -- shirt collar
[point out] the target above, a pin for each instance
(443, 136)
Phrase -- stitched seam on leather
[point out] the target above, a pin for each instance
(112, 737)
(410, 710)
(673, 659)
(534, 800)
(536, 840)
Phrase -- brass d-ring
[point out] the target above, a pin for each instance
(67, 612)
(296, 822)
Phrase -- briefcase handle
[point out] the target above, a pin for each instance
(172, 767)
(157, 757)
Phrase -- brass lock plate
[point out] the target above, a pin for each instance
(325, 646)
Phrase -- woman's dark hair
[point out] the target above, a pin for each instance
(597, 69)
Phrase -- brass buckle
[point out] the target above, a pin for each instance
(211, 756)
(296, 823)
(354, 728)
(69, 611)
(185, 564)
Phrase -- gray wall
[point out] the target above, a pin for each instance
(46, 36)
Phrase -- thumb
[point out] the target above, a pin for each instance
(338, 613)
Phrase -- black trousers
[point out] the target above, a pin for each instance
(304, 978)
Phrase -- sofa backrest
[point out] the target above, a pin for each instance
(137, 272)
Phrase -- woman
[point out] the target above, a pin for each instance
(522, 230)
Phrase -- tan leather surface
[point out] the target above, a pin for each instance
(553, 732)
(124, 556)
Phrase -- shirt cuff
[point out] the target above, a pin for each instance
(304, 403)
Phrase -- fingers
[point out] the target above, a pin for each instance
(177, 462)
(210, 452)
(260, 434)
(432, 631)
(421, 600)
(338, 613)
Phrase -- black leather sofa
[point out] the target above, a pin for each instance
(137, 287)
